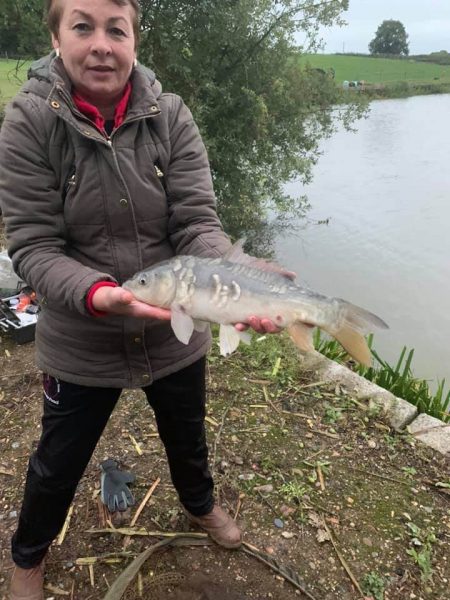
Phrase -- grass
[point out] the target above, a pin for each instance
(13, 73)
(398, 379)
(378, 70)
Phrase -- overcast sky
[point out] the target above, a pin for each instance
(427, 22)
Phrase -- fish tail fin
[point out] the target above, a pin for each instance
(357, 321)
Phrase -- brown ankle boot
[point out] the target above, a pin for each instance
(219, 526)
(27, 584)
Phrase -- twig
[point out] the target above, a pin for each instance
(296, 414)
(327, 449)
(102, 515)
(91, 575)
(385, 477)
(320, 476)
(90, 560)
(264, 499)
(342, 559)
(135, 444)
(239, 504)
(62, 535)
(308, 385)
(142, 532)
(286, 572)
(326, 433)
(144, 501)
(269, 401)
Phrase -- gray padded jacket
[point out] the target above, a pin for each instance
(80, 208)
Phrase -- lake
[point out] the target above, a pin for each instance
(386, 192)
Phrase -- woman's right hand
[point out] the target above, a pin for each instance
(117, 301)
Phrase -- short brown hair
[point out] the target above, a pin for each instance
(54, 11)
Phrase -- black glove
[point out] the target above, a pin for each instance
(115, 493)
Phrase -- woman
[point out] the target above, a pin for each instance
(81, 149)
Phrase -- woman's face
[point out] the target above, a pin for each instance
(97, 46)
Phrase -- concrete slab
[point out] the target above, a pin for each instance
(432, 432)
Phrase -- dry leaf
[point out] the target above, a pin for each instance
(322, 535)
(315, 520)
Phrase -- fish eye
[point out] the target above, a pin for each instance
(142, 280)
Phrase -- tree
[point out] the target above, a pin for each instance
(390, 38)
(261, 115)
(22, 29)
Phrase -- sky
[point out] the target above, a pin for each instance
(427, 22)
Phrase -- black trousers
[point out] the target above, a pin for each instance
(73, 421)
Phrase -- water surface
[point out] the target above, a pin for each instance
(386, 193)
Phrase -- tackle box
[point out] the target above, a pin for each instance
(19, 321)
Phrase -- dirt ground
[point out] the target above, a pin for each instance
(318, 482)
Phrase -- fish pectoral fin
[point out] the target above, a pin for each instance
(200, 325)
(245, 337)
(229, 339)
(301, 334)
(354, 343)
(182, 324)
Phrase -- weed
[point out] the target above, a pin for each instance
(332, 415)
(373, 584)
(400, 381)
(293, 491)
(421, 552)
(409, 471)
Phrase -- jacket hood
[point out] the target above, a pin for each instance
(45, 72)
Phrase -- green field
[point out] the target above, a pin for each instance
(384, 71)
(378, 70)
(12, 75)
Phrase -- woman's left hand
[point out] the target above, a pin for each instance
(259, 325)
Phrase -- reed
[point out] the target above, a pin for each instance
(398, 379)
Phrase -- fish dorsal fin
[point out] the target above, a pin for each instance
(236, 254)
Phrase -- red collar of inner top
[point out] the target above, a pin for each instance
(93, 113)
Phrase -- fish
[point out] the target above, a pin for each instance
(229, 289)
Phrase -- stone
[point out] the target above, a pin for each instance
(278, 523)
